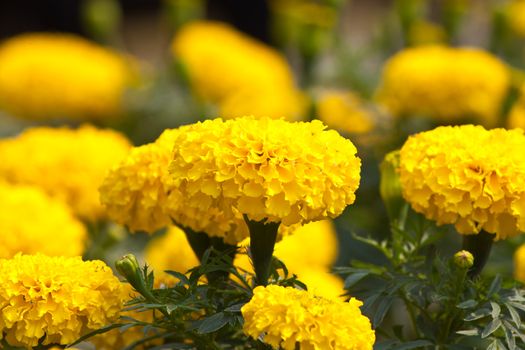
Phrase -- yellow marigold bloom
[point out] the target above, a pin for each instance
(68, 164)
(246, 76)
(445, 83)
(515, 13)
(467, 176)
(519, 264)
(48, 76)
(285, 316)
(170, 252)
(344, 111)
(32, 222)
(266, 169)
(57, 299)
(135, 192)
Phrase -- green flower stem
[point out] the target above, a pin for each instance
(200, 242)
(479, 245)
(262, 242)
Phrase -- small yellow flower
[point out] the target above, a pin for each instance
(519, 264)
(32, 222)
(467, 176)
(55, 299)
(344, 111)
(54, 76)
(445, 83)
(68, 164)
(285, 317)
(238, 73)
(266, 169)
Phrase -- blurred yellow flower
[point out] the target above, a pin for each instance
(516, 117)
(519, 264)
(68, 164)
(515, 13)
(135, 192)
(32, 222)
(226, 67)
(55, 299)
(53, 76)
(445, 83)
(266, 169)
(286, 317)
(344, 111)
(170, 252)
(467, 176)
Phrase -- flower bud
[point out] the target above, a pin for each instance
(129, 267)
(389, 186)
(464, 259)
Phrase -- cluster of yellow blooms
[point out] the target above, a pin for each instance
(448, 177)
(295, 250)
(68, 164)
(67, 77)
(285, 317)
(234, 71)
(445, 83)
(136, 191)
(266, 169)
(57, 299)
(31, 222)
(344, 111)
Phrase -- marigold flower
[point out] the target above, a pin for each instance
(57, 299)
(265, 169)
(49, 76)
(68, 164)
(445, 83)
(344, 111)
(519, 264)
(285, 316)
(467, 176)
(515, 12)
(32, 222)
(135, 192)
(246, 76)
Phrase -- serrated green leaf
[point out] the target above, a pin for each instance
(467, 304)
(495, 286)
(491, 327)
(468, 332)
(509, 338)
(381, 311)
(213, 323)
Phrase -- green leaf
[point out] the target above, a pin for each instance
(495, 286)
(213, 323)
(468, 332)
(491, 327)
(354, 278)
(509, 338)
(467, 304)
(235, 307)
(514, 315)
(476, 315)
(496, 309)
(382, 310)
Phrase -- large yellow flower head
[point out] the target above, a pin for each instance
(445, 83)
(285, 316)
(467, 176)
(519, 264)
(68, 164)
(270, 170)
(57, 299)
(49, 76)
(240, 74)
(135, 192)
(32, 222)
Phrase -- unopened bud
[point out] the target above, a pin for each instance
(389, 186)
(464, 259)
(129, 267)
